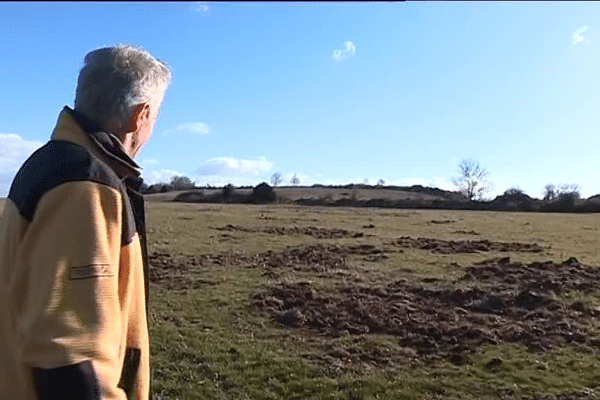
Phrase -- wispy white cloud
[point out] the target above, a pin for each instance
(237, 181)
(163, 175)
(341, 55)
(14, 150)
(580, 35)
(150, 161)
(198, 128)
(202, 6)
(229, 166)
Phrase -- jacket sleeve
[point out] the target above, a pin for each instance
(71, 322)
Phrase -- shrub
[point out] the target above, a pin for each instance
(263, 193)
(513, 192)
(190, 197)
(182, 183)
(228, 191)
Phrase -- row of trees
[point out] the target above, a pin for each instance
(473, 183)
(276, 180)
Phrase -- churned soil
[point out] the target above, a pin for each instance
(471, 232)
(544, 277)
(504, 302)
(174, 273)
(450, 322)
(440, 246)
(320, 233)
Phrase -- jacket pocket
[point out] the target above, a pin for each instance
(131, 364)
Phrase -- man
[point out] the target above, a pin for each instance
(73, 262)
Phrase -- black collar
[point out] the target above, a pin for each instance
(108, 142)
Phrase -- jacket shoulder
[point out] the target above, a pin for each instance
(53, 164)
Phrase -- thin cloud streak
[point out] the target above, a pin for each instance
(231, 166)
(198, 128)
(202, 7)
(151, 161)
(341, 55)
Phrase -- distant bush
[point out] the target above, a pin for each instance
(513, 199)
(158, 188)
(182, 183)
(263, 193)
(562, 198)
(196, 196)
(228, 191)
(513, 192)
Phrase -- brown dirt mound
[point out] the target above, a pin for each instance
(582, 395)
(162, 264)
(318, 258)
(174, 273)
(320, 233)
(545, 277)
(439, 321)
(440, 246)
(463, 232)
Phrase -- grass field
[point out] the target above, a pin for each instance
(215, 266)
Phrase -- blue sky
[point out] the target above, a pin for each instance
(334, 92)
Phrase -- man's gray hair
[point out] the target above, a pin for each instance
(115, 79)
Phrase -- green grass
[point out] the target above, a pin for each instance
(207, 343)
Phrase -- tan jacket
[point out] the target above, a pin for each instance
(73, 272)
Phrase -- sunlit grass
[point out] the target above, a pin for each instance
(207, 343)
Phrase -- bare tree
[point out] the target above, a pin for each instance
(295, 180)
(380, 182)
(276, 178)
(472, 181)
(550, 192)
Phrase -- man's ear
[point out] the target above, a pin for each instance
(139, 117)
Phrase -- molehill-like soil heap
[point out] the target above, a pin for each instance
(319, 233)
(440, 246)
(518, 306)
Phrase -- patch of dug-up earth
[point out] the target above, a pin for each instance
(448, 322)
(174, 273)
(582, 395)
(439, 246)
(320, 233)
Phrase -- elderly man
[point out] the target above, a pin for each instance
(73, 262)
